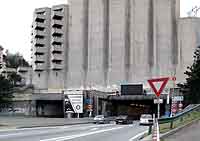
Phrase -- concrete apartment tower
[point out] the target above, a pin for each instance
(41, 47)
(59, 47)
(50, 47)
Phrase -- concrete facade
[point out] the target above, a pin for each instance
(59, 47)
(189, 40)
(109, 42)
(41, 47)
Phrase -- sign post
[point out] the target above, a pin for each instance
(158, 109)
(173, 108)
(159, 91)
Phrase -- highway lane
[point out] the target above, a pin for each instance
(84, 132)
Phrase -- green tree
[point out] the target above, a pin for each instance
(5, 89)
(191, 89)
(15, 60)
(14, 78)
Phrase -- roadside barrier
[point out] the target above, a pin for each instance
(156, 132)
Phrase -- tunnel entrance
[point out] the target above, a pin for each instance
(134, 109)
(49, 108)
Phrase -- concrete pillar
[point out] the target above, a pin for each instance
(104, 107)
(32, 108)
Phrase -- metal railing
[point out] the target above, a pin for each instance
(179, 115)
(179, 119)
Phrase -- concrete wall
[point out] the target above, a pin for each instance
(116, 56)
(189, 39)
(141, 39)
(75, 73)
(95, 43)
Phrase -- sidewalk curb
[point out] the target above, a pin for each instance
(173, 131)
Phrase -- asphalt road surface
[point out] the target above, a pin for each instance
(84, 132)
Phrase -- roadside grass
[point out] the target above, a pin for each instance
(180, 121)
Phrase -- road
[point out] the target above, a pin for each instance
(83, 132)
(190, 133)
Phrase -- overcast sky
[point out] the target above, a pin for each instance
(16, 18)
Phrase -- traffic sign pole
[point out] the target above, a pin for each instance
(158, 116)
(174, 84)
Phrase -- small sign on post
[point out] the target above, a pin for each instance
(158, 91)
(158, 101)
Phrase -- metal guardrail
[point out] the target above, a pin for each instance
(171, 119)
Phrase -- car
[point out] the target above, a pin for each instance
(101, 119)
(123, 119)
(146, 119)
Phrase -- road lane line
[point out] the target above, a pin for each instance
(51, 127)
(138, 135)
(34, 128)
(93, 129)
(80, 135)
(7, 135)
(93, 126)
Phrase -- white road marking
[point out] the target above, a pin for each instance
(52, 127)
(93, 126)
(138, 135)
(80, 135)
(7, 135)
(34, 128)
(93, 129)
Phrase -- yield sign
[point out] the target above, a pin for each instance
(164, 82)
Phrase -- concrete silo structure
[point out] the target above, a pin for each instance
(109, 42)
(188, 41)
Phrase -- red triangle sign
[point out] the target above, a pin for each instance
(164, 82)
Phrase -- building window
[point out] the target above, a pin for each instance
(40, 28)
(60, 9)
(41, 13)
(57, 17)
(40, 20)
(58, 26)
(38, 74)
